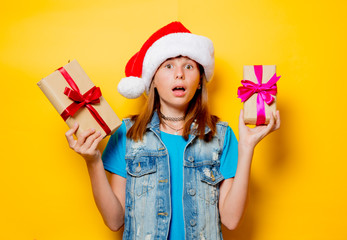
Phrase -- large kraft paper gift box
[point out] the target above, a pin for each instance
(258, 93)
(76, 99)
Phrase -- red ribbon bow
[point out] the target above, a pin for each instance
(92, 96)
(265, 92)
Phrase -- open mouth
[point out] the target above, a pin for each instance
(178, 89)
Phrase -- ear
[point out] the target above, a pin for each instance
(153, 83)
(200, 82)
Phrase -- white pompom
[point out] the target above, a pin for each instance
(131, 87)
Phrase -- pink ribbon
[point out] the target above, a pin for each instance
(265, 92)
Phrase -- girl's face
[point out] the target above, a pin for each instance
(177, 80)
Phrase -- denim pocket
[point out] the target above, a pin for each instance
(141, 165)
(142, 169)
(210, 177)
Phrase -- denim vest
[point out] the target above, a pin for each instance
(148, 200)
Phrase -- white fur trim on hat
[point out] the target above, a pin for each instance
(131, 87)
(197, 48)
(170, 41)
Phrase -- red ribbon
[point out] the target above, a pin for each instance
(265, 92)
(92, 96)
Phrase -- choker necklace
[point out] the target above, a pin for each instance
(175, 129)
(173, 119)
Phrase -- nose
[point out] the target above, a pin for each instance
(179, 73)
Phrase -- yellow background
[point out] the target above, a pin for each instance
(297, 188)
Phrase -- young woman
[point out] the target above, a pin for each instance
(177, 172)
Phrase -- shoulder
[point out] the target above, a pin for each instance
(223, 131)
(128, 122)
(222, 124)
(216, 121)
(221, 127)
(119, 133)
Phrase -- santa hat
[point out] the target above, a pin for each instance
(170, 41)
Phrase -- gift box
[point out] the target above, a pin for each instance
(76, 99)
(258, 93)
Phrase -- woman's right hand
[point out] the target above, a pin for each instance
(86, 145)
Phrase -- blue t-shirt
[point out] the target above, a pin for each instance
(114, 161)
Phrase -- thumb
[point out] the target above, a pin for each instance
(241, 115)
(241, 120)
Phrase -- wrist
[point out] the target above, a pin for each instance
(246, 147)
(93, 163)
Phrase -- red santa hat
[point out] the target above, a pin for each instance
(170, 41)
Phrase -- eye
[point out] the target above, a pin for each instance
(189, 66)
(168, 66)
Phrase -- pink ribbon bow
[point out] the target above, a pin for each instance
(265, 92)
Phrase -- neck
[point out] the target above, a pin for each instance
(169, 126)
(172, 112)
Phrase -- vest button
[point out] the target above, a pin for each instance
(192, 222)
(192, 192)
(138, 168)
(190, 159)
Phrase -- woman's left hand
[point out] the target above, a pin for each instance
(250, 137)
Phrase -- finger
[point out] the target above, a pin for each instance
(69, 135)
(96, 142)
(72, 130)
(90, 140)
(271, 124)
(241, 121)
(82, 138)
(274, 114)
(278, 120)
